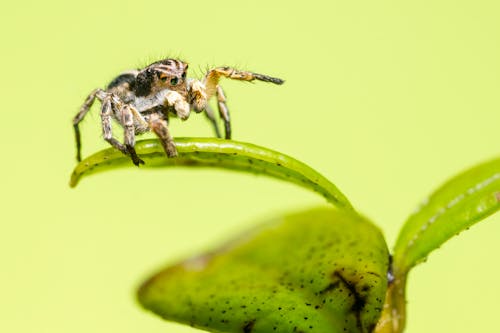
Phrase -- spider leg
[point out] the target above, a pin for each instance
(223, 111)
(197, 98)
(106, 113)
(141, 124)
(79, 117)
(159, 126)
(127, 120)
(209, 113)
(213, 76)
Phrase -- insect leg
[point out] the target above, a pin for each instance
(127, 120)
(160, 127)
(209, 113)
(79, 117)
(224, 111)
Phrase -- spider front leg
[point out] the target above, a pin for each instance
(197, 98)
(213, 76)
(212, 87)
(159, 126)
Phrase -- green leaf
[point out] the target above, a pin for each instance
(211, 152)
(461, 202)
(322, 270)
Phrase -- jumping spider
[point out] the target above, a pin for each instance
(142, 100)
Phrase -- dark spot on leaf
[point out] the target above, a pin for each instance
(249, 326)
(359, 300)
(330, 287)
(373, 273)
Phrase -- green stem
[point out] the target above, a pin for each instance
(210, 152)
(393, 318)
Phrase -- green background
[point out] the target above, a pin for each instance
(386, 98)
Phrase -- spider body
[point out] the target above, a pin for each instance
(143, 100)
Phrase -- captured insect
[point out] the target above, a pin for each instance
(142, 100)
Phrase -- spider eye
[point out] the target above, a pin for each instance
(183, 75)
(164, 78)
(174, 81)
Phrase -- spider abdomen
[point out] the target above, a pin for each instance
(127, 78)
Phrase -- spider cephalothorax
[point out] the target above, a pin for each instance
(142, 100)
(164, 74)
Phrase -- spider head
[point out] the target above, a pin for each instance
(163, 74)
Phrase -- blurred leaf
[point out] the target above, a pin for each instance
(322, 270)
(462, 201)
(211, 152)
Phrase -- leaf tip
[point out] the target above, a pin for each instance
(151, 289)
(73, 181)
(143, 291)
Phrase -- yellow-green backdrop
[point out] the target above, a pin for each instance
(386, 98)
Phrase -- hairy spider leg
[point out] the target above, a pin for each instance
(79, 117)
(159, 126)
(211, 82)
(223, 111)
(197, 97)
(209, 113)
(213, 76)
(127, 120)
(107, 133)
